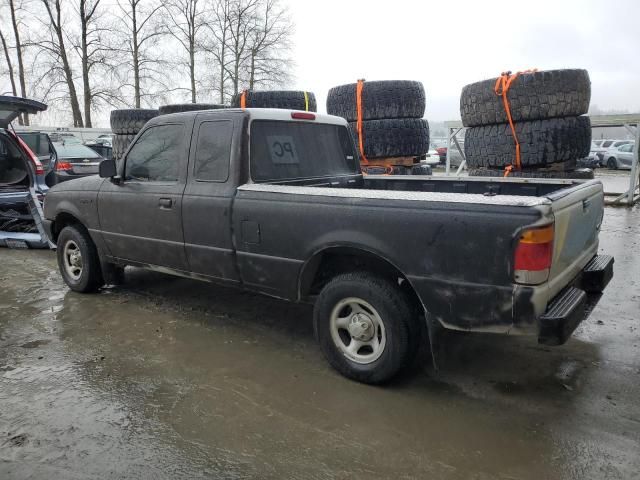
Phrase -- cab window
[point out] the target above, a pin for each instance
(155, 157)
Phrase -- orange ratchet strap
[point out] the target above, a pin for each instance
(503, 83)
(359, 86)
(243, 99)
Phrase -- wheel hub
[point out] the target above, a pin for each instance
(75, 259)
(361, 327)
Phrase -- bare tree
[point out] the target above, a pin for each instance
(185, 23)
(219, 30)
(56, 47)
(269, 45)
(90, 48)
(140, 33)
(242, 20)
(24, 119)
(7, 57)
(252, 44)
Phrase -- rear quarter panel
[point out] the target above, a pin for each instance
(458, 256)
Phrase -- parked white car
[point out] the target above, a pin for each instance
(620, 157)
(600, 147)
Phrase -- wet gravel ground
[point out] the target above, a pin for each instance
(170, 378)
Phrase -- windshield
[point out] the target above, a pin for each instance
(292, 150)
(66, 150)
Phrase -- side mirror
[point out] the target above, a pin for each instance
(107, 168)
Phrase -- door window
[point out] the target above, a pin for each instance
(213, 150)
(156, 155)
(626, 148)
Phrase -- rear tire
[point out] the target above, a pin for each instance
(577, 174)
(284, 99)
(374, 313)
(78, 260)
(393, 137)
(542, 142)
(612, 164)
(380, 99)
(130, 121)
(189, 107)
(120, 145)
(532, 96)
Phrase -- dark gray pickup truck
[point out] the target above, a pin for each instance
(273, 201)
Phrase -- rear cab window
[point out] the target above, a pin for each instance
(213, 151)
(282, 150)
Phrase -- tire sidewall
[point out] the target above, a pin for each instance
(89, 279)
(612, 164)
(395, 351)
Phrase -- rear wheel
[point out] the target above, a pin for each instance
(363, 325)
(78, 260)
(612, 164)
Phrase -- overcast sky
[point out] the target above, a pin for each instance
(447, 44)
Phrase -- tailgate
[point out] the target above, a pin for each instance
(578, 214)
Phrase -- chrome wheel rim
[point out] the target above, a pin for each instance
(357, 330)
(72, 259)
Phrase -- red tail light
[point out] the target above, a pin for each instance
(533, 256)
(63, 166)
(303, 116)
(32, 156)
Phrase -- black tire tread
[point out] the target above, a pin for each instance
(130, 121)
(579, 173)
(532, 96)
(189, 107)
(120, 145)
(542, 142)
(393, 137)
(380, 99)
(283, 99)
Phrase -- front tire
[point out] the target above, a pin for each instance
(78, 260)
(612, 164)
(362, 323)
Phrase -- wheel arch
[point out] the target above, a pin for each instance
(61, 220)
(330, 261)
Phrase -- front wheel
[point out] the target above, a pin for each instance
(612, 164)
(363, 325)
(78, 260)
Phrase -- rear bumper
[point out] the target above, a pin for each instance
(574, 304)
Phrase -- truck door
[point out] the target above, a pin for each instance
(208, 198)
(141, 217)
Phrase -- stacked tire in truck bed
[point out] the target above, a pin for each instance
(392, 123)
(283, 99)
(126, 123)
(546, 108)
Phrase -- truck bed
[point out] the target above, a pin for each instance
(488, 187)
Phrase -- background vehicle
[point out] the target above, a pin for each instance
(58, 137)
(73, 161)
(103, 149)
(22, 181)
(591, 161)
(600, 148)
(620, 157)
(105, 139)
(307, 226)
(40, 144)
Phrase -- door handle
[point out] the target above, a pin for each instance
(165, 203)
